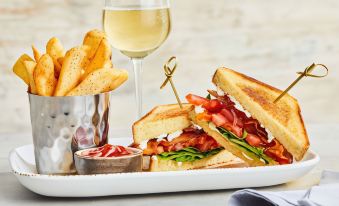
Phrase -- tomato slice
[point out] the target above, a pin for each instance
(213, 106)
(218, 119)
(228, 114)
(204, 116)
(196, 100)
(237, 130)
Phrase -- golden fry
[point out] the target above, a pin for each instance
(71, 70)
(36, 53)
(85, 61)
(19, 68)
(100, 59)
(99, 81)
(55, 49)
(44, 78)
(93, 39)
(60, 61)
(108, 64)
(86, 69)
(30, 66)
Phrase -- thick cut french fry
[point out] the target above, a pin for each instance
(108, 64)
(71, 70)
(60, 61)
(36, 53)
(44, 78)
(93, 39)
(100, 80)
(55, 49)
(85, 61)
(100, 59)
(30, 66)
(19, 68)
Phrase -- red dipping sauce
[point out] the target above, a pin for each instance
(107, 150)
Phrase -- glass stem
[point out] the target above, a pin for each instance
(137, 65)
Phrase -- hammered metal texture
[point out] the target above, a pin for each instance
(64, 125)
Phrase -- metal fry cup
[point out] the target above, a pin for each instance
(64, 125)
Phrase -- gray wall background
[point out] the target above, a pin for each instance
(267, 39)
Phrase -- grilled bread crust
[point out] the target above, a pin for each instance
(283, 119)
(223, 159)
(163, 119)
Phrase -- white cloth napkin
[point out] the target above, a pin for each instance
(324, 194)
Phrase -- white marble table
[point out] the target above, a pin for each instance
(324, 141)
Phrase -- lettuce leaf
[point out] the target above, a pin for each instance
(188, 154)
(259, 152)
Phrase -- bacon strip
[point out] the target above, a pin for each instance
(191, 137)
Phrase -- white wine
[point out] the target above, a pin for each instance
(136, 32)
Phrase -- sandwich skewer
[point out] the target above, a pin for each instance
(169, 74)
(306, 73)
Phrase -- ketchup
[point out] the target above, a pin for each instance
(107, 150)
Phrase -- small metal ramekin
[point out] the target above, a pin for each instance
(64, 125)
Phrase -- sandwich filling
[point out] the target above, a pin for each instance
(192, 144)
(239, 127)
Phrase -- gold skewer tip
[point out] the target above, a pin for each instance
(169, 71)
(306, 73)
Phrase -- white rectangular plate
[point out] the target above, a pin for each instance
(23, 166)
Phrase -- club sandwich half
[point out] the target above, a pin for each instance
(242, 117)
(172, 142)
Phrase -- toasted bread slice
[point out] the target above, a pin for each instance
(163, 119)
(282, 119)
(223, 159)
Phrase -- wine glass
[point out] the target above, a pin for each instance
(137, 28)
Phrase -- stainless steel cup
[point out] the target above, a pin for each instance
(64, 125)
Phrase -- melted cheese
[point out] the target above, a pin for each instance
(143, 144)
(162, 136)
(269, 134)
(220, 92)
(173, 135)
(198, 109)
